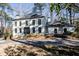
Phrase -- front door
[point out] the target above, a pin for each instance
(26, 30)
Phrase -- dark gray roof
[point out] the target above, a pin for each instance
(60, 24)
(30, 17)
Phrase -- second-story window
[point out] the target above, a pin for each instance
(39, 21)
(20, 23)
(26, 22)
(33, 22)
(15, 23)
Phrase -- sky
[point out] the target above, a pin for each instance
(27, 8)
(19, 7)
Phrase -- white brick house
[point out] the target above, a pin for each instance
(37, 24)
(34, 24)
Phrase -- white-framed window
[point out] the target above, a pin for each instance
(55, 31)
(20, 23)
(15, 23)
(33, 22)
(39, 21)
(39, 29)
(20, 30)
(26, 22)
(33, 29)
(15, 30)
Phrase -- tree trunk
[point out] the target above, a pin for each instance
(70, 12)
(73, 17)
(66, 15)
(51, 15)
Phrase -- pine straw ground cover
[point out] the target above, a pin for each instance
(25, 50)
(47, 50)
(38, 37)
(73, 36)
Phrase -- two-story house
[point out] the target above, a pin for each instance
(34, 24)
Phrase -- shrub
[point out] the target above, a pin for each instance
(31, 54)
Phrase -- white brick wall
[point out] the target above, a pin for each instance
(43, 23)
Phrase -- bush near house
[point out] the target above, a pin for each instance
(7, 34)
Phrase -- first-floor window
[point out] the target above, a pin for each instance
(20, 29)
(55, 31)
(33, 29)
(15, 30)
(39, 29)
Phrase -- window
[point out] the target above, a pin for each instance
(20, 30)
(26, 30)
(39, 29)
(15, 23)
(65, 30)
(20, 23)
(33, 23)
(15, 30)
(55, 31)
(26, 22)
(39, 21)
(33, 30)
